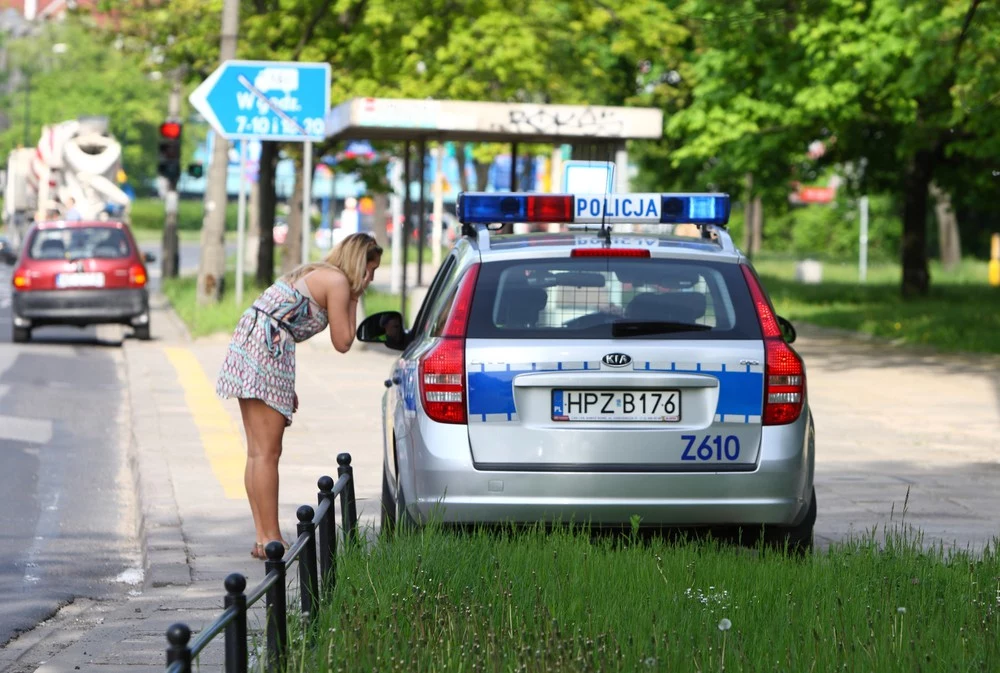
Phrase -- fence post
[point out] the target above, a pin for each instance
(178, 635)
(308, 581)
(328, 538)
(236, 630)
(348, 507)
(277, 617)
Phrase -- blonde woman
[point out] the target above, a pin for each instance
(259, 369)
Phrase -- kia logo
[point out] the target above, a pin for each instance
(617, 360)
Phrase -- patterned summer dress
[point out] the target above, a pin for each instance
(260, 362)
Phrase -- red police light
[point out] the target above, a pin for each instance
(170, 130)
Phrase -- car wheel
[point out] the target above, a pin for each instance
(142, 332)
(388, 506)
(798, 538)
(21, 335)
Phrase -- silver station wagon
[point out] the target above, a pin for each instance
(625, 363)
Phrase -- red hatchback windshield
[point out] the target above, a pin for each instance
(80, 243)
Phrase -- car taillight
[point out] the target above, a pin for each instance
(21, 280)
(137, 275)
(442, 369)
(784, 373)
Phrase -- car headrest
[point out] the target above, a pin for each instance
(683, 307)
(53, 247)
(520, 305)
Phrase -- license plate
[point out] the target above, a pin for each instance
(66, 280)
(663, 406)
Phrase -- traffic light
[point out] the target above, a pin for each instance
(169, 154)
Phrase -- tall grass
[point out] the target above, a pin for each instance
(564, 601)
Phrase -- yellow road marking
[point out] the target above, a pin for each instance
(220, 437)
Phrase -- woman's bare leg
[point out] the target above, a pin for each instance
(248, 477)
(268, 428)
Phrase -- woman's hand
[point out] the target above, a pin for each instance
(295, 403)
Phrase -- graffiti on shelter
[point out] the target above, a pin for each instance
(571, 123)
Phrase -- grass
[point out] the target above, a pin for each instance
(376, 302)
(148, 215)
(206, 320)
(962, 312)
(561, 601)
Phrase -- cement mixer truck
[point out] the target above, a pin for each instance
(76, 159)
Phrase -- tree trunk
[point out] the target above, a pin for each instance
(916, 183)
(379, 215)
(757, 241)
(463, 179)
(212, 265)
(212, 262)
(482, 175)
(292, 255)
(948, 237)
(748, 216)
(267, 204)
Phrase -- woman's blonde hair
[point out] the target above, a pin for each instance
(351, 256)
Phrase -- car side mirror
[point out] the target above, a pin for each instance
(149, 257)
(384, 327)
(787, 329)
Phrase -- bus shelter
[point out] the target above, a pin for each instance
(604, 130)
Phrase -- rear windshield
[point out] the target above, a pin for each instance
(80, 243)
(588, 298)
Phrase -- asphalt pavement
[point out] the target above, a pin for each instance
(67, 506)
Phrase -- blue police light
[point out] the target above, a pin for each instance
(489, 208)
(695, 208)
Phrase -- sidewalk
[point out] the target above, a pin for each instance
(187, 460)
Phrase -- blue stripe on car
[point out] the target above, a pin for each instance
(492, 392)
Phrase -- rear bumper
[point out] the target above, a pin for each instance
(80, 307)
(776, 492)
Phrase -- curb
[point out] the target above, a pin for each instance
(162, 546)
(808, 329)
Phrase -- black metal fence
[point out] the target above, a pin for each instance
(315, 549)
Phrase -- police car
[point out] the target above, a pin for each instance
(614, 366)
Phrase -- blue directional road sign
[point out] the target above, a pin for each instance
(266, 100)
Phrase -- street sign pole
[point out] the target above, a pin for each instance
(307, 170)
(241, 214)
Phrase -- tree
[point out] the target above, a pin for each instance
(900, 85)
(72, 81)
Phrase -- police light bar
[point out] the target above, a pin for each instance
(489, 208)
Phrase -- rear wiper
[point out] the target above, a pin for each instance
(624, 328)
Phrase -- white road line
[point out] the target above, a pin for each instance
(32, 430)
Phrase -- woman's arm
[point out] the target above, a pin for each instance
(341, 308)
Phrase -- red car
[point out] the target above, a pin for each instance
(80, 273)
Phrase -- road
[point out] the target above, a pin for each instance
(67, 514)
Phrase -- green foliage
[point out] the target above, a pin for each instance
(89, 78)
(832, 231)
(202, 320)
(149, 214)
(880, 82)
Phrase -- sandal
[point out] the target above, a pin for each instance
(258, 552)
